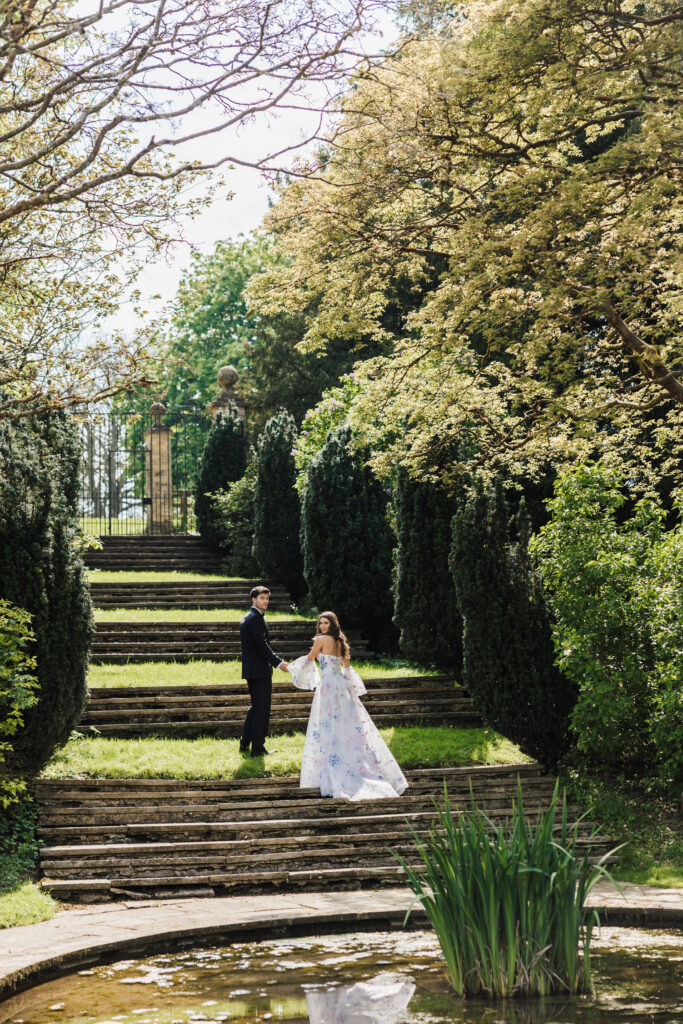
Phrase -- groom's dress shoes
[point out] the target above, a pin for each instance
(260, 753)
(244, 748)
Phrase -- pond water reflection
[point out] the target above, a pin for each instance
(375, 978)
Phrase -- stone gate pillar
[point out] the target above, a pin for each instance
(159, 474)
(227, 379)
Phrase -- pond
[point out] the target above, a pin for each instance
(374, 978)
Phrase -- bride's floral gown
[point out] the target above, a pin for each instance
(344, 754)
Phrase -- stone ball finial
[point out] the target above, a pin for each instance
(227, 377)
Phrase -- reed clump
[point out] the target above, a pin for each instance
(508, 902)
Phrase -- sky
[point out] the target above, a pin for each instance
(224, 218)
(228, 218)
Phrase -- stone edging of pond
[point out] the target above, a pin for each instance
(84, 936)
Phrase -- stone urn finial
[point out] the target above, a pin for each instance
(227, 379)
(157, 410)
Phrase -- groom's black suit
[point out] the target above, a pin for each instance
(258, 662)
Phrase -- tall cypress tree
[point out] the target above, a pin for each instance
(223, 460)
(346, 540)
(277, 517)
(41, 570)
(508, 654)
(425, 609)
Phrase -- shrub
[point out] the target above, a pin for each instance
(233, 513)
(223, 460)
(18, 687)
(508, 653)
(616, 587)
(41, 570)
(508, 903)
(345, 539)
(332, 411)
(277, 517)
(425, 608)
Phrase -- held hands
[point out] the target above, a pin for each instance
(283, 666)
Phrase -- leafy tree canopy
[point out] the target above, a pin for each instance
(212, 322)
(521, 159)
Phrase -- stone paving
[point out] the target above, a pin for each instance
(85, 935)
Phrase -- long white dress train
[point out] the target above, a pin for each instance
(344, 754)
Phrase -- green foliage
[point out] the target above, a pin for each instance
(647, 825)
(615, 583)
(331, 412)
(17, 686)
(508, 653)
(519, 162)
(508, 902)
(277, 516)
(223, 460)
(425, 608)
(212, 323)
(345, 539)
(233, 518)
(41, 571)
(21, 902)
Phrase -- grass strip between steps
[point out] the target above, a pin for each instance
(209, 673)
(158, 576)
(210, 758)
(160, 615)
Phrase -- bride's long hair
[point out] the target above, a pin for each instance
(335, 632)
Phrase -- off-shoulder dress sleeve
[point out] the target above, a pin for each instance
(304, 673)
(354, 680)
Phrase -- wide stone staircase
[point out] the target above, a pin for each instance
(120, 641)
(191, 594)
(215, 710)
(141, 838)
(163, 552)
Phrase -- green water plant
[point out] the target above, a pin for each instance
(508, 902)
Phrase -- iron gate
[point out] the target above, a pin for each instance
(139, 470)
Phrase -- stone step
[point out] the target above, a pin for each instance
(281, 685)
(250, 810)
(209, 594)
(172, 860)
(56, 860)
(276, 627)
(142, 552)
(207, 885)
(121, 641)
(164, 837)
(219, 710)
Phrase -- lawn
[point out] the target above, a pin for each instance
(154, 576)
(22, 902)
(210, 758)
(205, 673)
(190, 615)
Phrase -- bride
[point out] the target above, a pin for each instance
(344, 754)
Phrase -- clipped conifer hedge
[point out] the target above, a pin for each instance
(42, 571)
(223, 460)
(425, 608)
(346, 540)
(277, 515)
(508, 653)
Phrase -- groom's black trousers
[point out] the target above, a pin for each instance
(256, 723)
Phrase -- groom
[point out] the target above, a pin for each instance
(258, 661)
